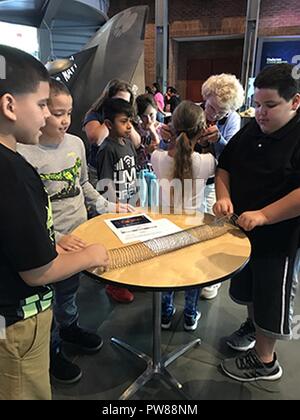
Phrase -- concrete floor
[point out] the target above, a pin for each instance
(108, 373)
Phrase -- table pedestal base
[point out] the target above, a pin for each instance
(156, 365)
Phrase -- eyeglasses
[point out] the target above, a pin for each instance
(217, 114)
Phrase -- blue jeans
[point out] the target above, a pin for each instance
(65, 311)
(191, 297)
(160, 117)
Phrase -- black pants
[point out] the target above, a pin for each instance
(270, 284)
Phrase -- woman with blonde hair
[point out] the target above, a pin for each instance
(223, 95)
(189, 170)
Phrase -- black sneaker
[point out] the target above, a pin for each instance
(166, 320)
(191, 322)
(249, 368)
(244, 338)
(84, 340)
(63, 370)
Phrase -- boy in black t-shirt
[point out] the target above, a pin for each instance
(116, 167)
(28, 257)
(258, 178)
(116, 158)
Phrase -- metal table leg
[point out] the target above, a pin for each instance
(156, 365)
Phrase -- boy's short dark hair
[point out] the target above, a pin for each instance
(22, 72)
(57, 87)
(115, 106)
(280, 78)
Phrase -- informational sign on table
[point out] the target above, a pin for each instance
(140, 227)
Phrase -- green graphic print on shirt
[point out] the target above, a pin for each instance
(39, 302)
(69, 176)
(50, 223)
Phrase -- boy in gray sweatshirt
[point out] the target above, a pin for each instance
(60, 161)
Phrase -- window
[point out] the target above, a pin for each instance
(20, 36)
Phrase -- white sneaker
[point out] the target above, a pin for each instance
(210, 292)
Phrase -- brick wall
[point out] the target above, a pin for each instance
(211, 18)
(150, 71)
(206, 17)
(194, 18)
(280, 17)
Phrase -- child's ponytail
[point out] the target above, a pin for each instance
(188, 120)
(183, 158)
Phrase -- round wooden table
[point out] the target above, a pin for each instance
(198, 265)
